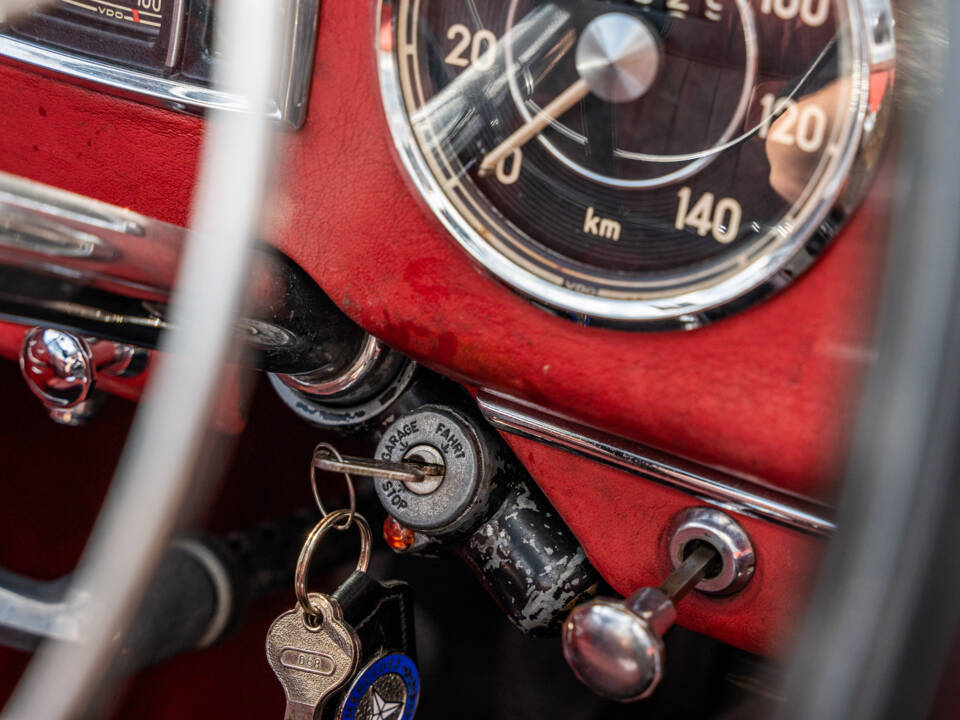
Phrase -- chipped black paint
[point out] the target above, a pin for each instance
(530, 562)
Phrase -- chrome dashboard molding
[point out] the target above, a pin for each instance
(289, 107)
(320, 384)
(874, 48)
(715, 487)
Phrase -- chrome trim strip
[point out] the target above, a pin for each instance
(163, 91)
(712, 486)
(298, 59)
(288, 108)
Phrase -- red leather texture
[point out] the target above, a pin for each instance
(121, 152)
(765, 393)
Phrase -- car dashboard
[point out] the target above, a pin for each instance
(642, 237)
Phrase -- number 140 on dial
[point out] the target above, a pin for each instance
(709, 216)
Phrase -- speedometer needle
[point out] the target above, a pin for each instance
(535, 125)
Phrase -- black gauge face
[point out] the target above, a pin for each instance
(632, 159)
(142, 34)
(144, 17)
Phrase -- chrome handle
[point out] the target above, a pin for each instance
(61, 369)
(616, 647)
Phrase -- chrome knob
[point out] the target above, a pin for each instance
(619, 57)
(57, 366)
(61, 369)
(615, 647)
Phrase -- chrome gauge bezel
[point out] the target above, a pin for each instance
(821, 219)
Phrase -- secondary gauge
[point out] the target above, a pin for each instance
(143, 34)
(144, 16)
(650, 162)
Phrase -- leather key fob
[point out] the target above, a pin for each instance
(387, 684)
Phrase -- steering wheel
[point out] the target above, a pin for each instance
(165, 445)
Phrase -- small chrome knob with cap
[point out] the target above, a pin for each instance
(615, 647)
(61, 369)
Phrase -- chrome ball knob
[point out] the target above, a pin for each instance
(616, 647)
(58, 367)
(62, 368)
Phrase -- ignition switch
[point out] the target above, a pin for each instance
(488, 510)
(473, 463)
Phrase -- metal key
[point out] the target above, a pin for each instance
(311, 649)
(312, 661)
(411, 470)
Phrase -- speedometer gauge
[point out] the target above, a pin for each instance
(636, 161)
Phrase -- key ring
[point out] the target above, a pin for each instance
(351, 492)
(313, 539)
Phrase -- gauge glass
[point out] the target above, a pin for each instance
(631, 160)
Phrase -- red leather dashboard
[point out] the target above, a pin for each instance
(766, 394)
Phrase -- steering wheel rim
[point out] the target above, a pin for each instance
(166, 442)
(884, 615)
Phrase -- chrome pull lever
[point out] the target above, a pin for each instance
(616, 647)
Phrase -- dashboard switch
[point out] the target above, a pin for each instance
(61, 369)
(457, 501)
(615, 647)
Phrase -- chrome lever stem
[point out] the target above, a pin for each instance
(687, 575)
